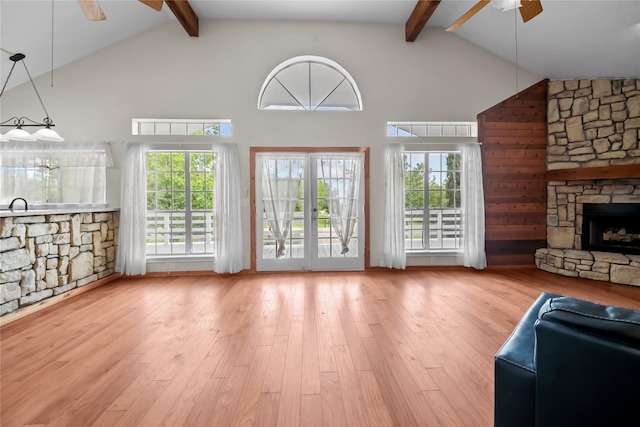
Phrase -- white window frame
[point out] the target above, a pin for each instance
(209, 228)
(426, 230)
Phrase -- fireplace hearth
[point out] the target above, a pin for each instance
(593, 229)
(611, 227)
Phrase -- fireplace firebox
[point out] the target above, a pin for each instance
(611, 227)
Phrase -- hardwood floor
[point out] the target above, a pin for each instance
(319, 349)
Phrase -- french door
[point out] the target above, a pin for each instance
(309, 211)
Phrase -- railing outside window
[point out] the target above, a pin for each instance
(443, 231)
(167, 233)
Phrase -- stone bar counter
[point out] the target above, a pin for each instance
(45, 253)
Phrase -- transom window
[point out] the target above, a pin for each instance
(180, 217)
(183, 127)
(433, 214)
(309, 83)
(432, 129)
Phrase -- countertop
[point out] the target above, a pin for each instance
(53, 211)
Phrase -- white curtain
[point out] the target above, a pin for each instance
(227, 212)
(131, 258)
(281, 176)
(473, 207)
(341, 177)
(54, 172)
(393, 239)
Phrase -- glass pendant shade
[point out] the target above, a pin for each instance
(19, 135)
(47, 134)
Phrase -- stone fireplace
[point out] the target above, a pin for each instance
(593, 188)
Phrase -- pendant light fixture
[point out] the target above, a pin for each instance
(18, 123)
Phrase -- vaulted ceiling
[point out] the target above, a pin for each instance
(569, 39)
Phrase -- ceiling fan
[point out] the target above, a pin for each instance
(93, 11)
(529, 9)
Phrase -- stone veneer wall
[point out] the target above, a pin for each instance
(593, 123)
(590, 124)
(46, 255)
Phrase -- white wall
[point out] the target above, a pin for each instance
(165, 74)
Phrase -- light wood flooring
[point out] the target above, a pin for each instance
(371, 348)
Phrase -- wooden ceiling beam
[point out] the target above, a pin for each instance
(185, 14)
(419, 17)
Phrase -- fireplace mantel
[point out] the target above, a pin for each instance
(605, 172)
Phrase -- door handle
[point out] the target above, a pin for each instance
(314, 215)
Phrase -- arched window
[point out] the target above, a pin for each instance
(309, 83)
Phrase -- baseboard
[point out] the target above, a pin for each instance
(185, 273)
(512, 267)
(46, 303)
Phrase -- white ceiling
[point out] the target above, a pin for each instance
(570, 39)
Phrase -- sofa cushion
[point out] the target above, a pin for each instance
(617, 323)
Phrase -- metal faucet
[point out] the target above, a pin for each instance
(26, 206)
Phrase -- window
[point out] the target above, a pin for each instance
(432, 201)
(432, 129)
(180, 203)
(186, 127)
(54, 174)
(309, 83)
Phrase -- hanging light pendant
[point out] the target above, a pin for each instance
(19, 134)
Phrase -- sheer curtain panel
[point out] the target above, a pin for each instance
(473, 207)
(132, 240)
(228, 215)
(393, 243)
(342, 184)
(54, 173)
(281, 177)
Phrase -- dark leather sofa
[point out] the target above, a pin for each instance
(570, 363)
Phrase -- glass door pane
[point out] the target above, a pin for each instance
(337, 211)
(280, 207)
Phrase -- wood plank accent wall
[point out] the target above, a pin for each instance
(514, 146)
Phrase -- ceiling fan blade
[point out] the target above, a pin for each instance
(464, 18)
(91, 10)
(154, 4)
(530, 9)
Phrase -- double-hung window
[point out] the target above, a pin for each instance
(432, 183)
(433, 211)
(180, 219)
